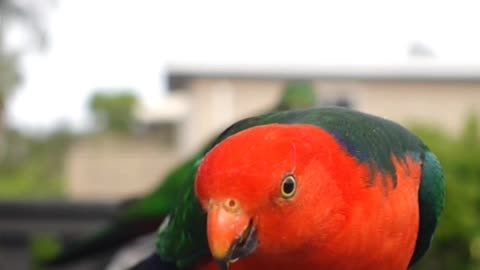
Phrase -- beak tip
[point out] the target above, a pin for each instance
(222, 264)
(230, 236)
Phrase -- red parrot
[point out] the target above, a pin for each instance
(318, 189)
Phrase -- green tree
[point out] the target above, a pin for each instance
(297, 95)
(113, 111)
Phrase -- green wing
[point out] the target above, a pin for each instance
(163, 199)
(431, 202)
(137, 218)
(183, 238)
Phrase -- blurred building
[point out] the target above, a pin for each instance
(203, 101)
(110, 167)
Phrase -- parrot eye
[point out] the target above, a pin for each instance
(289, 186)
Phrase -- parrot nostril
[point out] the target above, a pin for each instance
(231, 205)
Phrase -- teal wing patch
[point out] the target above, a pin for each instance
(431, 203)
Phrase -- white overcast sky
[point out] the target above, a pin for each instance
(128, 44)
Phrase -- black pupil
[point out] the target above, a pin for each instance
(288, 185)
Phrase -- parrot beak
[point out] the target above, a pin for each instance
(231, 235)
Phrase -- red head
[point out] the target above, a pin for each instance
(273, 190)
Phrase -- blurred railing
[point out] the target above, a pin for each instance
(21, 221)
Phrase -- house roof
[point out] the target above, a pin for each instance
(406, 72)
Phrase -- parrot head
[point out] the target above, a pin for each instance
(269, 191)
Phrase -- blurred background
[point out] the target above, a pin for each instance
(99, 100)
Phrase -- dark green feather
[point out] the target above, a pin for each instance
(431, 203)
(184, 239)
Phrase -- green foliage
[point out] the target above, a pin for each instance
(113, 111)
(33, 167)
(457, 241)
(44, 246)
(297, 95)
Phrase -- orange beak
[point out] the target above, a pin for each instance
(231, 235)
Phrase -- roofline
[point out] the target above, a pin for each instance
(420, 73)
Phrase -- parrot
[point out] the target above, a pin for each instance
(323, 188)
(137, 217)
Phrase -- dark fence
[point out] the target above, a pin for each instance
(20, 221)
